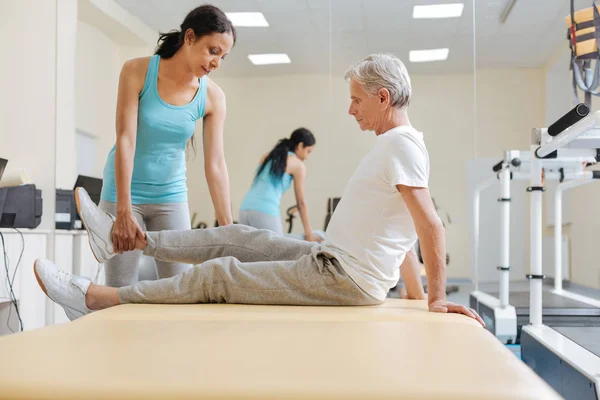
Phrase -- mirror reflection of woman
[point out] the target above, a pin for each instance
(277, 169)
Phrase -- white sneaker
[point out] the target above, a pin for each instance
(64, 289)
(98, 224)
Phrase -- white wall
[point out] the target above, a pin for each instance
(509, 106)
(65, 94)
(98, 65)
(97, 70)
(28, 93)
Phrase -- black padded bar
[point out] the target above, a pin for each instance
(554, 154)
(562, 174)
(582, 25)
(498, 175)
(578, 112)
(587, 36)
(532, 276)
(536, 188)
(497, 167)
(598, 155)
(595, 174)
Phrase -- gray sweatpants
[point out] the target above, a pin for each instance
(122, 270)
(243, 265)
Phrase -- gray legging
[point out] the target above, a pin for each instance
(122, 270)
(261, 220)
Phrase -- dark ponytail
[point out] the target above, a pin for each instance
(169, 43)
(203, 20)
(278, 156)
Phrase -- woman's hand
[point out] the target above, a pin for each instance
(125, 231)
(312, 238)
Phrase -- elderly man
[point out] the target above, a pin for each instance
(385, 205)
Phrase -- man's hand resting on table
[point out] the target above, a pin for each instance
(443, 306)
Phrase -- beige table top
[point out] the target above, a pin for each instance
(394, 351)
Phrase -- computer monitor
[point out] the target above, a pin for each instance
(3, 163)
(92, 185)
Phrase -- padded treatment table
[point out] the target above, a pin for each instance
(394, 351)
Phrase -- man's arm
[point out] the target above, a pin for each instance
(431, 235)
(433, 248)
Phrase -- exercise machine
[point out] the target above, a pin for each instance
(568, 358)
(506, 311)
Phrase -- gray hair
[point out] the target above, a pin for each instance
(385, 71)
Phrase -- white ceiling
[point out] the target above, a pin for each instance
(328, 35)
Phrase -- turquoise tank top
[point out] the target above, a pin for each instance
(266, 191)
(159, 170)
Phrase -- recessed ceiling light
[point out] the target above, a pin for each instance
(438, 11)
(251, 19)
(265, 59)
(428, 55)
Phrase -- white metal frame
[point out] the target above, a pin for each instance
(575, 355)
(504, 314)
(571, 161)
(572, 171)
(545, 148)
(587, 178)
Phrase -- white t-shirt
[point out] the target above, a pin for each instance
(371, 229)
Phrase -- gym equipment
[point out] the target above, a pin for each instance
(199, 225)
(583, 33)
(224, 351)
(506, 312)
(3, 162)
(332, 203)
(217, 223)
(566, 357)
(290, 212)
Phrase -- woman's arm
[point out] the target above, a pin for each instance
(299, 174)
(215, 167)
(131, 82)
